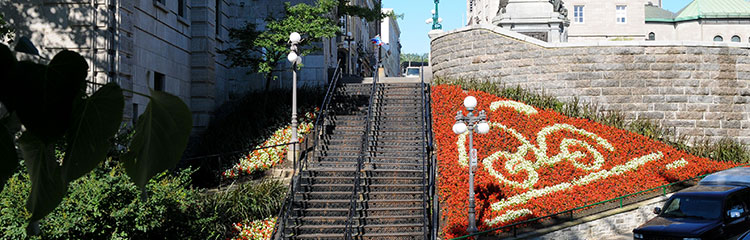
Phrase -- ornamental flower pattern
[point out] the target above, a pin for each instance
(266, 158)
(536, 162)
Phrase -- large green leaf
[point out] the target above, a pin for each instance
(161, 135)
(47, 186)
(8, 82)
(94, 121)
(48, 93)
(8, 155)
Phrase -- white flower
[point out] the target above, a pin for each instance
(518, 106)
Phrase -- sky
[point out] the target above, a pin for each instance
(414, 29)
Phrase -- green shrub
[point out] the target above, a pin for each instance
(105, 204)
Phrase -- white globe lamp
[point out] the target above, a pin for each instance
(459, 128)
(470, 103)
(483, 127)
(295, 37)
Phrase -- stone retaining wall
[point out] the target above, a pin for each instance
(699, 89)
(618, 226)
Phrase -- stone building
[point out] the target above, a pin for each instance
(391, 52)
(354, 48)
(170, 46)
(701, 20)
(616, 20)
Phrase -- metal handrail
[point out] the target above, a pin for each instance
(425, 167)
(570, 211)
(433, 166)
(360, 160)
(301, 163)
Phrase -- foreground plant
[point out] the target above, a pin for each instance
(50, 103)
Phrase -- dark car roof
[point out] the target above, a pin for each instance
(708, 191)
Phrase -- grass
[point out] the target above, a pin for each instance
(725, 149)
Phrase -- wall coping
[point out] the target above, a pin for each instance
(534, 41)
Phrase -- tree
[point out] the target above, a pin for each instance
(413, 57)
(263, 51)
(50, 102)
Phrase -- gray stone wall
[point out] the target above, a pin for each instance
(617, 226)
(699, 89)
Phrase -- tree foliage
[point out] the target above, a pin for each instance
(50, 102)
(414, 57)
(264, 50)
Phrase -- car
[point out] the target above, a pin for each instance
(716, 208)
(412, 72)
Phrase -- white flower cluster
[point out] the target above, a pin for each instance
(518, 106)
(676, 164)
(585, 180)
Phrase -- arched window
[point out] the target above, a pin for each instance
(718, 38)
(651, 36)
(735, 38)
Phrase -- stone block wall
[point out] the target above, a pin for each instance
(699, 89)
(617, 226)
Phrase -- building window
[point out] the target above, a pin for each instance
(181, 8)
(578, 14)
(158, 81)
(621, 13)
(471, 5)
(735, 38)
(651, 36)
(718, 38)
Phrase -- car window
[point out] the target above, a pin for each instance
(737, 205)
(693, 207)
(412, 71)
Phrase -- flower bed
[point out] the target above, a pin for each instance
(255, 230)
(266, 158)
(536, 162)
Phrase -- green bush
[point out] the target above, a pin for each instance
(106, 205)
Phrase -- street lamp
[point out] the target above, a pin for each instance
(349, 39)
(471, 123)
(436, 19)
(295, 59)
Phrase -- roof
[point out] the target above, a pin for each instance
(736, 176)
(708, 191)
(656, 13)
(702, 9)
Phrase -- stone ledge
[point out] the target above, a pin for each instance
(531, 40)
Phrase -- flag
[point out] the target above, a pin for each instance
(376, 40)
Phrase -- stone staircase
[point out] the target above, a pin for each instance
(391, 201)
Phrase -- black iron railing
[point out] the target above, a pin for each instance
(433, 213)
(301, 162)
(364, 150)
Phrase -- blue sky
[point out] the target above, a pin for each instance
(414, 30)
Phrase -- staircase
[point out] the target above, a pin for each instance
(392, 199)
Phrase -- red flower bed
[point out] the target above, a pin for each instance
(537, 162)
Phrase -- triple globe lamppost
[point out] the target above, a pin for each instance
(471, 123)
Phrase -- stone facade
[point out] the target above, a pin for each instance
(391, 33)
(701, 89)
(171, 46)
